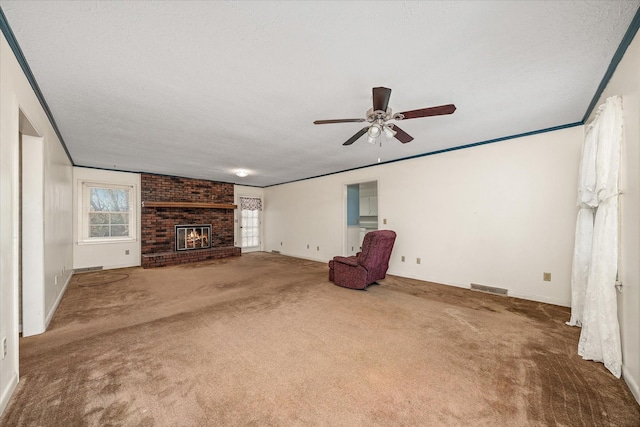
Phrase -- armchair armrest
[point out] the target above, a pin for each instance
(352, 261)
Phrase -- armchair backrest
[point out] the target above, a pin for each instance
(376, 249)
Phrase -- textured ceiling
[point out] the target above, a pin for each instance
(200, 89)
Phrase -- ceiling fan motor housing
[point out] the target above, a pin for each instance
(379, 115)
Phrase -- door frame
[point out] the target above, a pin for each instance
(345, 217)
(32, 236)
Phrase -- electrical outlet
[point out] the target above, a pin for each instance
(4, 347)
(384, 221)
(307, 246)
(417, 260)
(280, 243)
(546, 277)
(402, 258)
(55, 280)
(126, 252)
(317, 248)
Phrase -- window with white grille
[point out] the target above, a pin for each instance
(108, 213)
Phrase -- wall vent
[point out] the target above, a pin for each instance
(275, 252)
(488, 289)
(87, 269)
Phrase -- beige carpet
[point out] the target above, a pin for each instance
(266, 340)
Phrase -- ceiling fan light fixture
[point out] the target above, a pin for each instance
(374, 131)
(390, 133)
(242, 173)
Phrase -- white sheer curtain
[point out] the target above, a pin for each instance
(600, 335)
(587, 201)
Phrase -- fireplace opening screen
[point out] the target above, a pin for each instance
(193, 237)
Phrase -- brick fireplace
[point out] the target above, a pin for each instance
(170, 201)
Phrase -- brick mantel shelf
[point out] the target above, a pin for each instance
(188, 205)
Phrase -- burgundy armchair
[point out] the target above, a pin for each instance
(363, 269)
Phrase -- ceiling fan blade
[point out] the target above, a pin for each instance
(381, 97)
(326, 122)
(357, 136)
(431, 111)
(401, 135)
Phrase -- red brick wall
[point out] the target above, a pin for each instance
(158, 224)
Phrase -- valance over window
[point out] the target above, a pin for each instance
(251, 203)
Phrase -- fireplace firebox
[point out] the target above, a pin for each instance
(190, 237)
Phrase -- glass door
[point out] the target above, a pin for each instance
(250, 221)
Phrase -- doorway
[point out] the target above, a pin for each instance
(30, 229)
(250, 223)
(362, 214)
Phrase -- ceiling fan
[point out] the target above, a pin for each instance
(380, 114)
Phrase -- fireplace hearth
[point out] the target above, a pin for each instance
(191, 237)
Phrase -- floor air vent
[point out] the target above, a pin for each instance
(488, 289)
(87, 269)
(275, 252)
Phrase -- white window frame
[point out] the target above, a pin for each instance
(84, 197)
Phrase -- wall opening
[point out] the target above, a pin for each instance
(30, 237)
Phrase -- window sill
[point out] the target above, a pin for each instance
(107, 241)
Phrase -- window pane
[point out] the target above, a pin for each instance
(98, 231)
(109, 200)
(98, 218)
(250, 228)
(120, 218)
(119, 230)
(108, 211)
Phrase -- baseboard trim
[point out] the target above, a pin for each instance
(8, 392)
(546, 300)
(511, 294)
(631, 383)
(47, 320)
(302, 257)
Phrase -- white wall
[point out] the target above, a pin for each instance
(626, 82)
(243, 190)
(112, 254)
(15, 95)
(499, 214)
